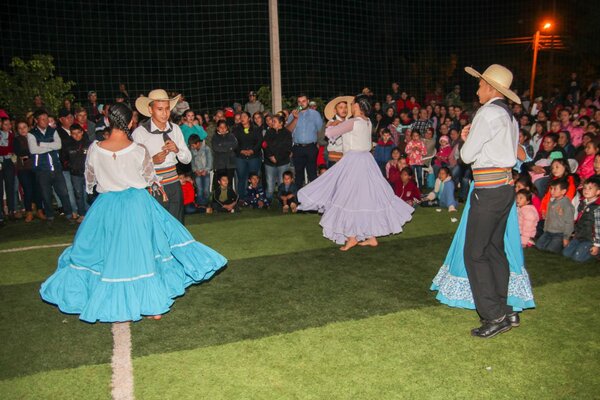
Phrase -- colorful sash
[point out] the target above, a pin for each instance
(167, 175)
(486, 178)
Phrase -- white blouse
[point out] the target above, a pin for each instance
(111, 171)
(357, 134)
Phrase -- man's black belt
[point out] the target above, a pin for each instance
(305, 144)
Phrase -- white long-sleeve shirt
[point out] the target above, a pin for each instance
(492, 140)
(154, 143)
(43, 147)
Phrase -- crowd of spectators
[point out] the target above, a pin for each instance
(245, 156)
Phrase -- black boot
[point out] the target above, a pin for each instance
(514, 319)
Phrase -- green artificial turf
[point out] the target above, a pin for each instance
(284, 280)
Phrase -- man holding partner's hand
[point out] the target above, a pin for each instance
(165, 142)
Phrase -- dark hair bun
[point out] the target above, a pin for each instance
(120, 116)
(364, 104)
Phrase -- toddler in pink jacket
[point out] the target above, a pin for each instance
(528, 217)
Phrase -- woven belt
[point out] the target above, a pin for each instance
(492, 177)
(167, 175)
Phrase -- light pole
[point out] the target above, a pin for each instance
(536, 46)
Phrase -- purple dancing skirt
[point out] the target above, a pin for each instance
(355, 200)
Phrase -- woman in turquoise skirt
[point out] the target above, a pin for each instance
(452, 283)
(130, 257)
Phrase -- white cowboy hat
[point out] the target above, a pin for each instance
(330, 107)
(142, 103)
(499, 77)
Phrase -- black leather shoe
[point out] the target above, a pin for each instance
(514, 319)
(491, 328)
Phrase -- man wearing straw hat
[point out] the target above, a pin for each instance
(166, 145)
(336, 112)
(491, 147)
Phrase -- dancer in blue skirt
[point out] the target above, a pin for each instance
(130, 257)
(452, 283)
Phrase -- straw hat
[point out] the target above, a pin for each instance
(142, 103)
(499, 77)
(330, 107)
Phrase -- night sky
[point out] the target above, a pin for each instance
(215, 51)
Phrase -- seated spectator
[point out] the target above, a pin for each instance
(528, 217)
(224, 197)
(255, 194)
(564, 141)
(443, 193)
(559, 219)
(586, 169)
(405, 186)
(580, 151)
(75, 153)
(583, 239)
(383, 150)
(287, 192)
(597, 165)
(396, 130)
(202, 164)
(187, 188)
(394, 163)
(442, 157)
(560, 169)
(539, 167)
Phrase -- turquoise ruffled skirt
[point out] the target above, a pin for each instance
(130, 258)
(452, 283)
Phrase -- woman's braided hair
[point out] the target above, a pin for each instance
(119, 117)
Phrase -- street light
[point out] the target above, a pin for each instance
(536, 45)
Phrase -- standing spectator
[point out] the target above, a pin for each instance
(89, 127)
(123, 92)
(249, 139)
(259, 122)
(102, 123)
(453, 98)
(223, 145)
(253, 105)
(26, 175)
(64, 132)
(277, 151)
(415, 151)
(181, 106)
(304, 123)
(190, 126)
(75, 151)
(92, 107)
(7, 168)
(528, 217)
(44, 143)
(202, 164)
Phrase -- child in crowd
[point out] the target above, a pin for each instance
(287, 192)
(392, 167)
(560, 169)
(579, 248)
(75, 153)
(528, 217)
(586, 169)
(443, 193)
(559, 219)
(415, 151)
(597, 165)
(224, 197)
(383, 150)
(396, 130)
(405, 187)
(442, 158)
(189, 195)
(202, 164)
(256, 196)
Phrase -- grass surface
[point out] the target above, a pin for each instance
(292, 317)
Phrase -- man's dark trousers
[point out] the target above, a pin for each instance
(485, 259)
(305, 157)
(174, 204)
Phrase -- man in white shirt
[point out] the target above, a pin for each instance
(491, 147)
(165, 143)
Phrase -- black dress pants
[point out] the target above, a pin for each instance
(305, 157)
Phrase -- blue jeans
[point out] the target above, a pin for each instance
(549, 241)
(418, 170)
(7, 179)
(202, 189)
(578, 250)
(70, 191)
(461, 175)
(274, 176)
(243, 167)
(542, 186)
(78, 183)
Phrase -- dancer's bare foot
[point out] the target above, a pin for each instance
(155, 317)
(350, 243)
(372, 241)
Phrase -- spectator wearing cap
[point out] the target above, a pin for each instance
(92, 107)
(253, 105)
(63, 128)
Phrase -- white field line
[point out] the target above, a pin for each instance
(122, 366)
(43, 246)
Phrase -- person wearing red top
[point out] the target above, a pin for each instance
(559, 170)
(404, 185)
(7, 167)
